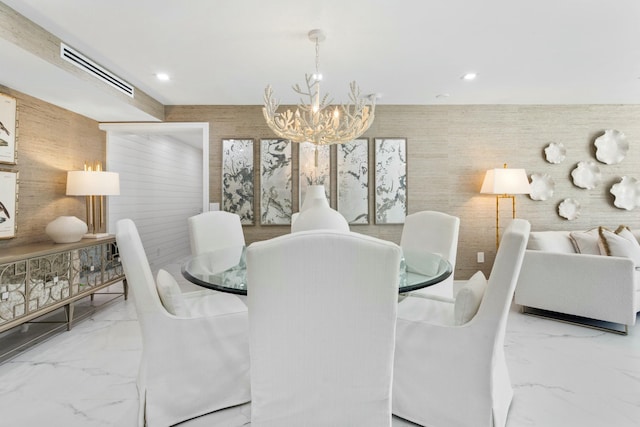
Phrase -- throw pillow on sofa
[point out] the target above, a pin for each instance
(620, 243)
(586, 242)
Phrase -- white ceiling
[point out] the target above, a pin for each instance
(222, 52)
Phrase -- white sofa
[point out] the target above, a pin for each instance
(556, 278)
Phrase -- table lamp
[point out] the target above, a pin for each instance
(94, 184)
(505, 183)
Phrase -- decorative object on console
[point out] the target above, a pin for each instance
(316, 213)
(318, 122)
(505, 183)
(612, 147)
(237, 178)
(586, 175)
(542, 186)
(353, 180)
(66, 229)
(93, 183)
(390, 180)
(8, 204)
(8, 147)
(627, 193)
(555, 152)
(275, 181)
(569, 209)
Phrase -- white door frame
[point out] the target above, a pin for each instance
(167, 128)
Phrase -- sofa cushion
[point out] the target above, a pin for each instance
(586, 242)
(621, 243)
(551, 241)
(468, 298)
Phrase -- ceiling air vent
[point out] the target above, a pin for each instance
(81, 61)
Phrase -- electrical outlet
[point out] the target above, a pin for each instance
(480, 257)
(4, 296)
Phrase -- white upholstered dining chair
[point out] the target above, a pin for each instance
(425, 233)
(322, 309)
(195, 350)
(449, 368)
(214, 230)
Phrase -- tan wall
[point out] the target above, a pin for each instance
(51, 141)
(449, 150)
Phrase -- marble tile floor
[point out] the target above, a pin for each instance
(563, 376)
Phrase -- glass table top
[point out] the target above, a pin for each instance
(225, 270)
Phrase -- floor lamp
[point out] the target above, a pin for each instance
(94, 184)
(505, 183)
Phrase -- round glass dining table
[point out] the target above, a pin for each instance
(225, 270)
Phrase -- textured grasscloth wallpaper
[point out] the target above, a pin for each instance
(450, 148)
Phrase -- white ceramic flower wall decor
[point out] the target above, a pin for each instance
(586, 175)
(542, 186)
(569, 209)
(611, 147)
(627, 193)
(555, 152)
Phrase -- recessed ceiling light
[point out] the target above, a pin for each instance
(469, 76)
(163, 77)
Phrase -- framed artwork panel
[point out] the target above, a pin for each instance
(391, 180)
(8, 204)
(7, 129)
(237, 178)
(353, 180)
(309, 172)
(275, 182)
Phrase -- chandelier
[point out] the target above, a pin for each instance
(319, 122)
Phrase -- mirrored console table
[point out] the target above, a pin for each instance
(40, 278)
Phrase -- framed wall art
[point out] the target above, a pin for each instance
(275, 182)
(237, 178)
(7, 129)
(390, 180)
(309, 172)
(8, 204)
(353, 180)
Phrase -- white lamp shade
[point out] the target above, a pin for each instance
(506, 181)
(93, 183)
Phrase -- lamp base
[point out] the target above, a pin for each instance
(95, 235)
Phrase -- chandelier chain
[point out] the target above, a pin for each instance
(317, 57)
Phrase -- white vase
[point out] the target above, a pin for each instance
(316, 213)
(66, 229)
(315, 196)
